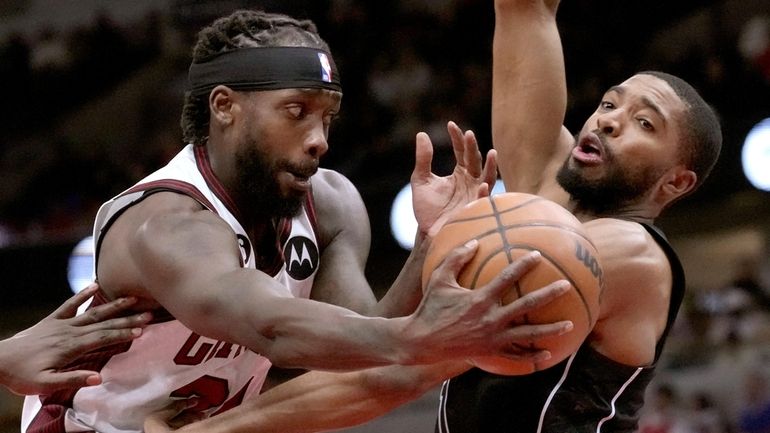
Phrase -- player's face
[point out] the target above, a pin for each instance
(281, 147)
(625, 147)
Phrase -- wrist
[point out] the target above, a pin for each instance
(403, 342)
(422, 241)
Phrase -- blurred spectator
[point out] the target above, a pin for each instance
(740, 309)
(755, 415)
(50, 52)
(705, 417)
(754, 43)
(663, 413)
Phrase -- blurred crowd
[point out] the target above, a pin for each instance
(88, 111)
(406, 67)
(716, 375)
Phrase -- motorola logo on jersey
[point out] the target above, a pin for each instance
(301, 257)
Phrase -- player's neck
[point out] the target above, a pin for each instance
(630, 213)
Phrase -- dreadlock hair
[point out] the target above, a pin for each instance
(242, 28)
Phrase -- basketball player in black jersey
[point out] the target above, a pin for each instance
(651, 141)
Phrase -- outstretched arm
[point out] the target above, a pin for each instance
(31, 362)
(434, 199)
(322, 401)
(529, 94)
(189, 263)
(316, 401)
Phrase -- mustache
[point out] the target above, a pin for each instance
(305, 170)
(602, 137)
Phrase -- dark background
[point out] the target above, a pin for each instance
(93, 91)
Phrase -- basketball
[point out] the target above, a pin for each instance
(507, 226)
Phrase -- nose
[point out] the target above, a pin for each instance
(316, 143)
(609, 123)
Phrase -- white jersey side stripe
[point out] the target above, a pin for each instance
(554, 391)
(615, 398)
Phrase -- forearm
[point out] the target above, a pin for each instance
(323, 401)
(529, 96)
(405, 293)
(294, 332)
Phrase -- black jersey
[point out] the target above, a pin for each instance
(587, 392)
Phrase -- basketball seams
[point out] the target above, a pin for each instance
(567, 276)
(491, 201)
(500, 228)
(517, 221)
(508, 247)
(530, 223)
(544, 223)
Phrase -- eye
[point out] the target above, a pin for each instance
(646, 124)
(330, 117)
(297, 111)
(606, 105)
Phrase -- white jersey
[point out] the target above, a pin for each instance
(169, 360)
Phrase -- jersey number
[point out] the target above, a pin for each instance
(212, 392)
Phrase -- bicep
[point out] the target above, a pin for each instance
(173, 253)
(345, 238)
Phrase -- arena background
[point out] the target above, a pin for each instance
(93, 92)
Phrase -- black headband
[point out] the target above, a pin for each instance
(265, 68)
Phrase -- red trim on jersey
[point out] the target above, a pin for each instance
(50, 418)
(204, 166)
(174, 185)
(310, 208)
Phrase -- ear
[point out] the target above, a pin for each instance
(678, 182)
(221, 105)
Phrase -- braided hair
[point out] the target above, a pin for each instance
(242, 28)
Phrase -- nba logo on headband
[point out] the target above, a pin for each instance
(326, 68)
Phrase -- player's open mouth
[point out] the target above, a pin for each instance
(589, 149)
(300, 179)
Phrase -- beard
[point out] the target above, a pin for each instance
(619, 187)
(257, 184)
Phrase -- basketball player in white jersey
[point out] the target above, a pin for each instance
(651, 141)
(233, 244)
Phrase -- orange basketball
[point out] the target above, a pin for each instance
(508, 226)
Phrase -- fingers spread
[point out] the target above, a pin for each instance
(472, 154)
(510, 274)
(490, 169)
(102, 338)
(70, 307)
(50, 381)
(536, 299)
(458, 142)
(423, 157)
(102, 312)
(459, 257)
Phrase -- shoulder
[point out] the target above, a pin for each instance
(338, 205)
(154, 221)
(626, 243)
(633, 262)
(331, 184)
